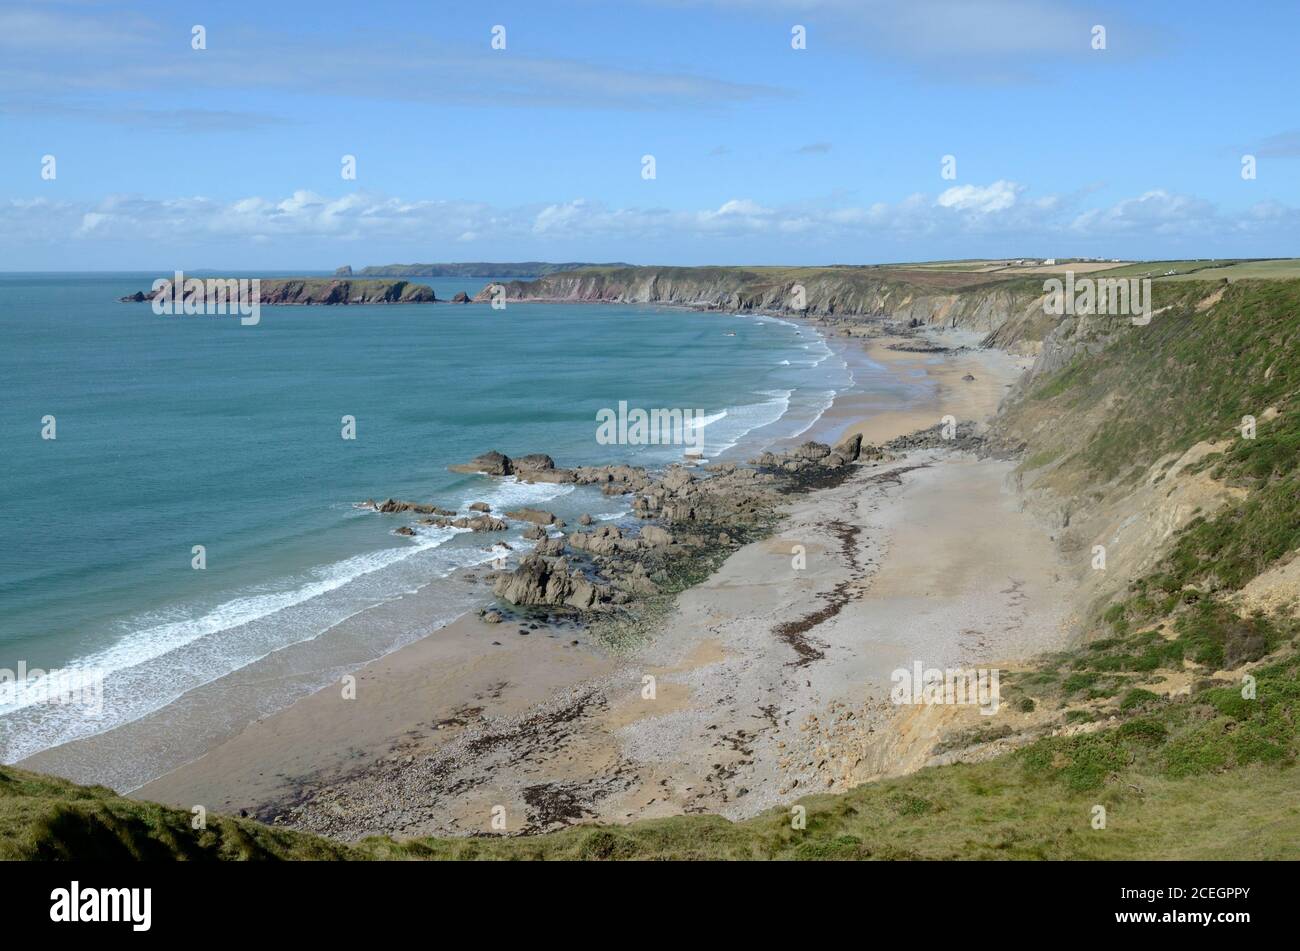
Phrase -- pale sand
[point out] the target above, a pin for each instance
(946, 392)
(924, 558)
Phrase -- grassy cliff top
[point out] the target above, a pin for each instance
(1209, 775)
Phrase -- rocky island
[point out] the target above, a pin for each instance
(328, 291)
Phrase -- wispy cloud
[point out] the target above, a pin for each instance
(1283, 145)
(990, 41)
(113, 61)
(814, 148)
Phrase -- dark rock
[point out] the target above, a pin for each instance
(534, 462)
(493, 463)
(536, 516)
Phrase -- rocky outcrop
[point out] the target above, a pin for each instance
(539, 580)
(324, 291)
(536, 467)
(816, 455)
(395, 507)
(685, 514)
(489, 463)
(654, 535)
(536, 516)
(963, 436)
(477, 523)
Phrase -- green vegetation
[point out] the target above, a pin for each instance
(1211, 775)
(45, 818)
(1215, 355)
(1279, 269)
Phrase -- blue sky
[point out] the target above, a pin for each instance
(230, 156)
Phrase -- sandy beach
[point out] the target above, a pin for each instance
(767, 681)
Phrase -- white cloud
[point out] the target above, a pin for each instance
(998, 211)
(1155, 212)
(983, 200)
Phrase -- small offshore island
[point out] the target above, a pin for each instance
(327, 291)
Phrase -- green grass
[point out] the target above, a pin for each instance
(1272, 270)
(1210, 775)
(44, 818)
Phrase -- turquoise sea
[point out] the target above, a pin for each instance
(174, 432)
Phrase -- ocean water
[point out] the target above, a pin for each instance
(174, 432)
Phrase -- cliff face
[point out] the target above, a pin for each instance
(1133, 438)
(515, 269)
(1008, 310)
(327, 291)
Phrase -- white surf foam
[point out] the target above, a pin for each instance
(162, 658)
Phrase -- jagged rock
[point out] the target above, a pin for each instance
(392, 506)
(461, 298)
(533, 532)
(962, 436)
(551, 476)
(479, 523)
(637, 582)
(493, 463)
(676, 479)
(404, 530)
(655, 535)
(550, 546)
(536, 461)
(632, 476)
(540, 580)
(812, 451)
(492, 617)
(585, 519)
(604, 540)
(480, 507)
(850, 448)
(536, 516)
